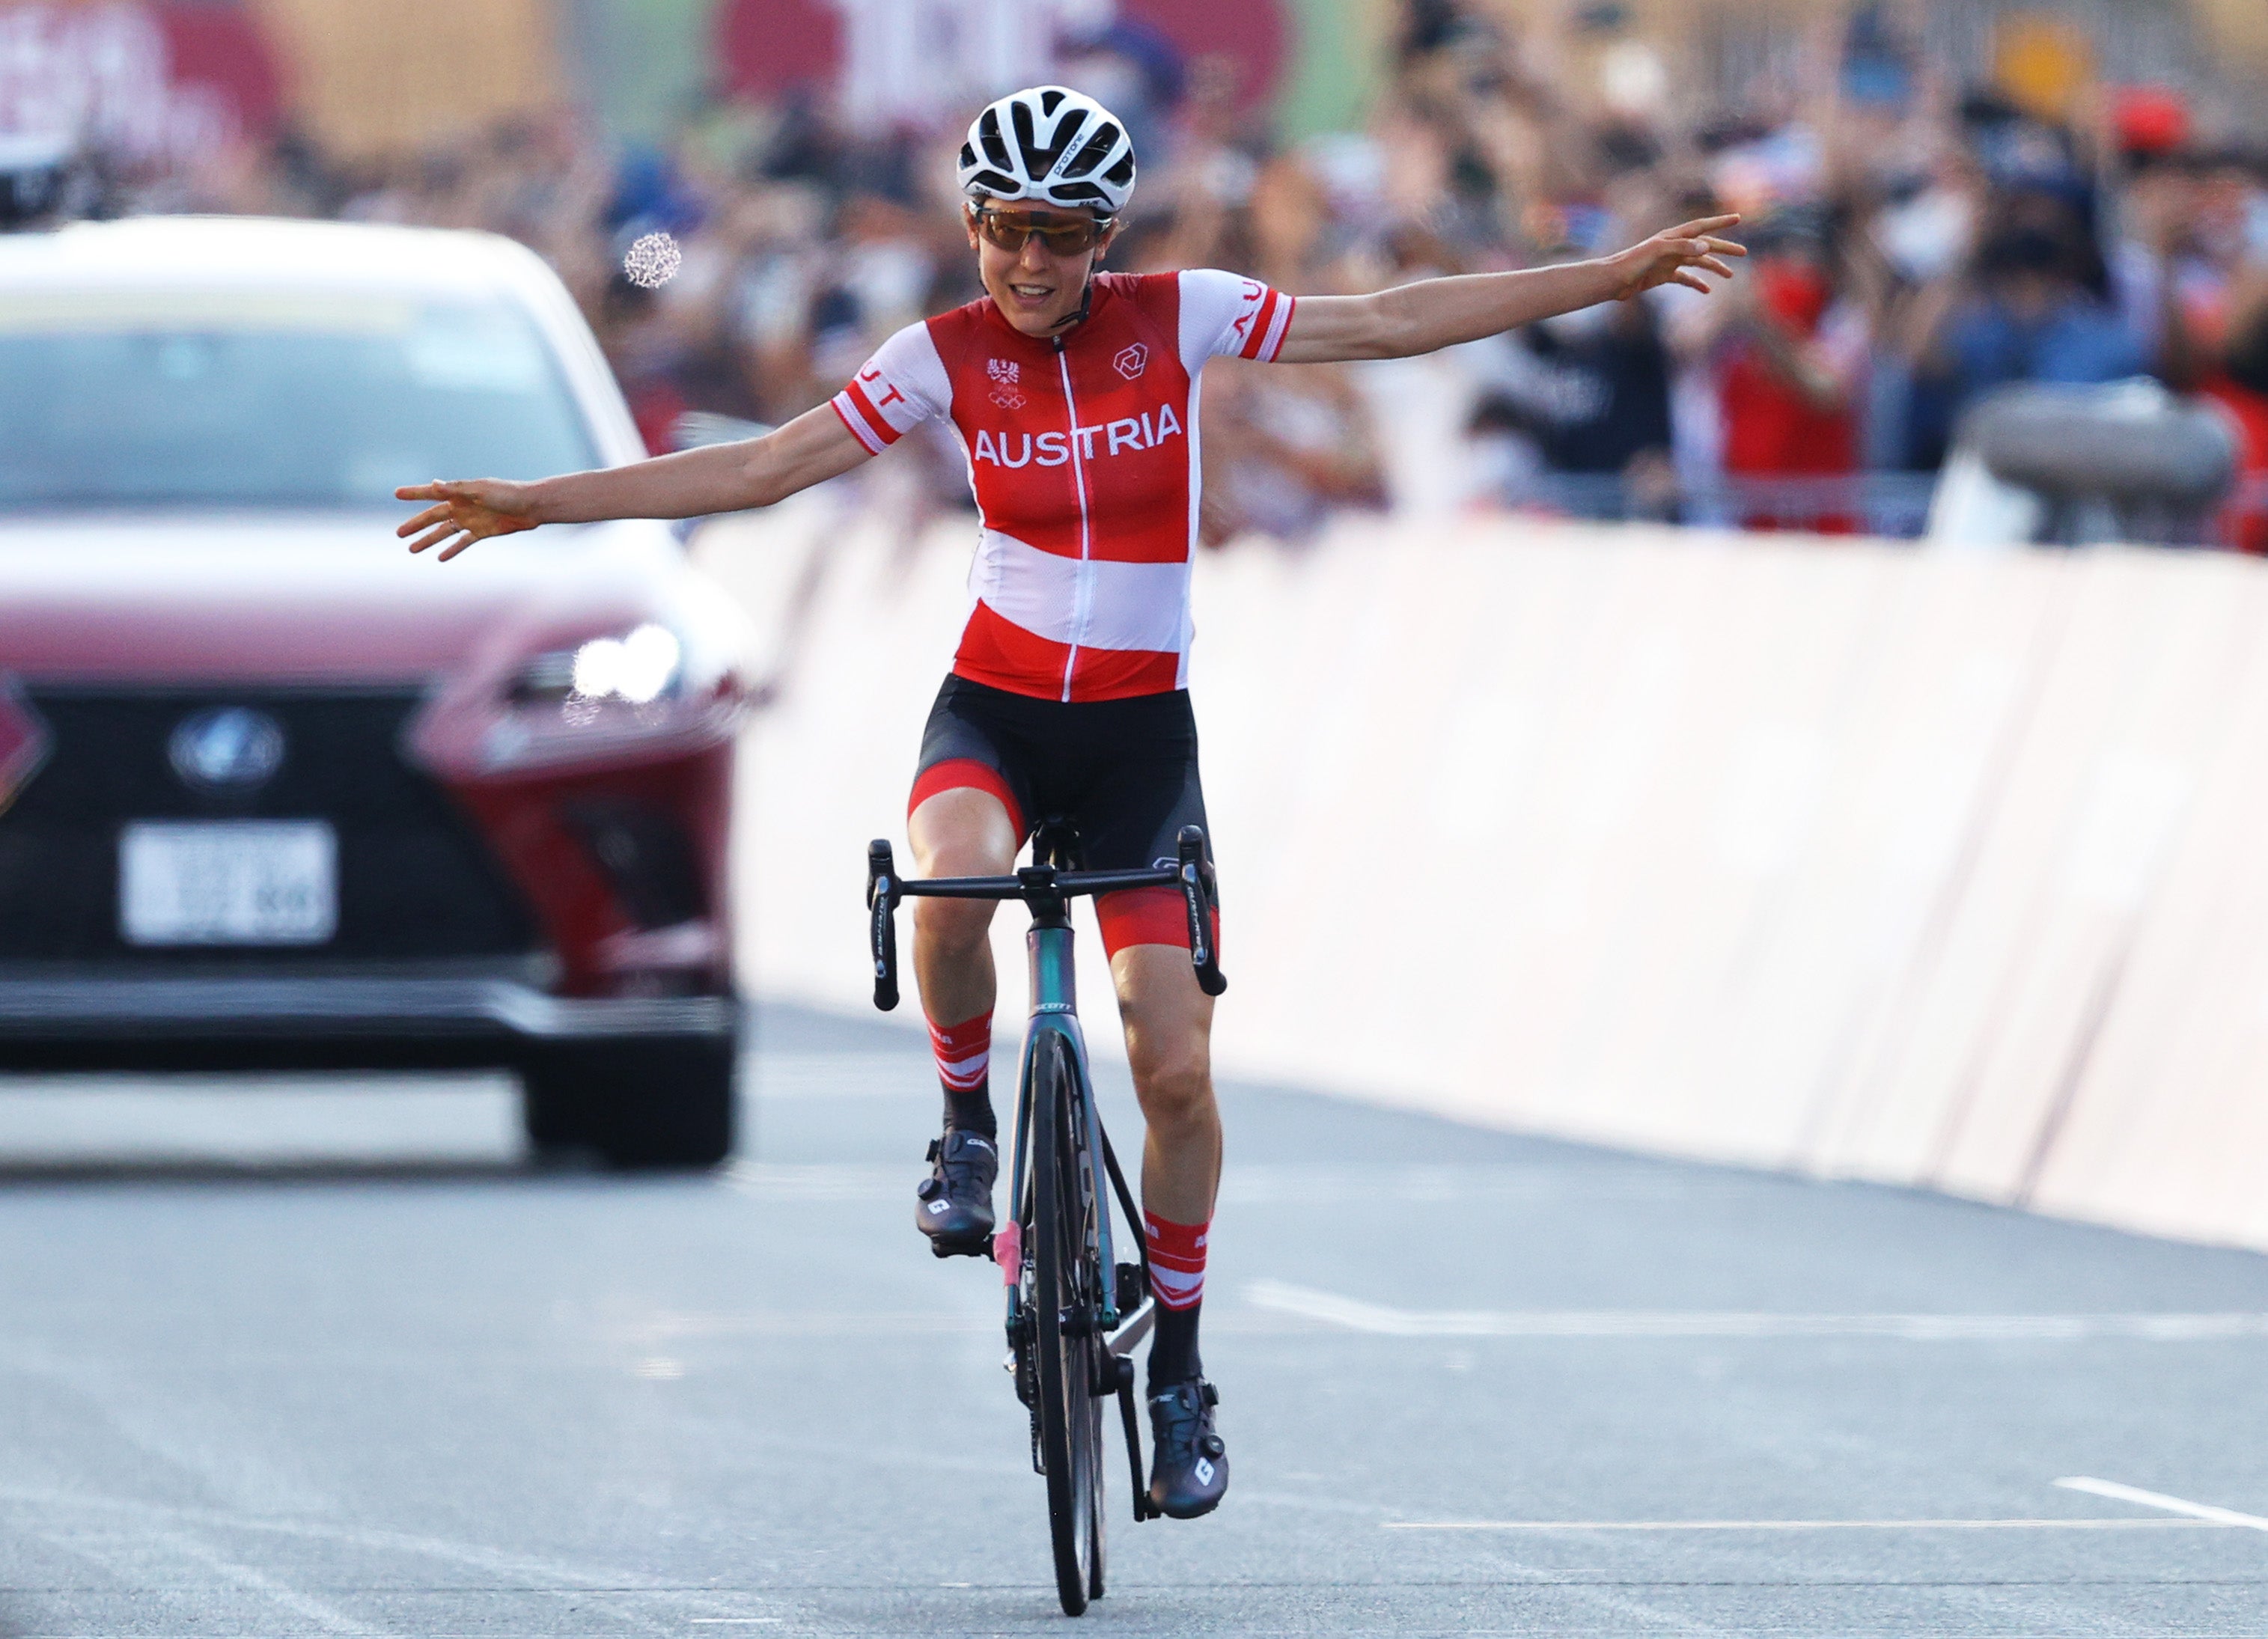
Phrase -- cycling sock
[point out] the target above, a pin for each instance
(964, 1065)
(1177, 1260)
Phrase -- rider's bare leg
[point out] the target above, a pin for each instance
(1169, 1046)
(961, 832)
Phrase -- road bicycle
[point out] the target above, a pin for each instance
(1075, 1313)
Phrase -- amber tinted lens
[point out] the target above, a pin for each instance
(1061, 236)
(999, 232)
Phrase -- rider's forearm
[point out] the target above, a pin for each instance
(692, 483)
(1441, 312)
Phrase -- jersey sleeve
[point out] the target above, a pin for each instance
(1227, 314)
(901, 387)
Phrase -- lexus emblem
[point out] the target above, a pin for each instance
(228, 748)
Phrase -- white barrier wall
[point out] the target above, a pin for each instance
(1949, 870)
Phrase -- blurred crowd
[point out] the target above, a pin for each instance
(1919, 236)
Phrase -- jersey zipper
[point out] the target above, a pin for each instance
(1083, 600)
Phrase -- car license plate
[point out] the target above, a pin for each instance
(228, 882)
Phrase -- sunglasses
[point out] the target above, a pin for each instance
(1059, 236)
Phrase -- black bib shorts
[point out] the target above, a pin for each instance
(1123, 772)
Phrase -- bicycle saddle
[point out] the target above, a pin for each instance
(1057, 843)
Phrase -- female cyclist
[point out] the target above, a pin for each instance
(1074, 395)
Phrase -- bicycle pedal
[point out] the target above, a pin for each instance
(944, 1247)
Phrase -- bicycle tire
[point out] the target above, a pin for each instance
(1064, 1310)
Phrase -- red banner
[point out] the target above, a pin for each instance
(146, 81)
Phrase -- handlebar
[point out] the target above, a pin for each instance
(1046, 890)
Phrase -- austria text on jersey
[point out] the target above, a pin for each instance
(1083, 455)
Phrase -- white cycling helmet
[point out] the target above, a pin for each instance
(1051, 146)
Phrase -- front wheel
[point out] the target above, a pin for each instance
(1066, 1313)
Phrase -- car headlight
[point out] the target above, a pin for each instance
(624, 694)
(649, 688)
(641, 667)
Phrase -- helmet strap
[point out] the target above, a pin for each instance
(1086, 294)
(1086, 301)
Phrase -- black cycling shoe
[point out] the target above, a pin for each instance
(1190, 1474)
(954, 1202)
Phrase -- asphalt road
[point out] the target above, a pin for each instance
(325, 1359)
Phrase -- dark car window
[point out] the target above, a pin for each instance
(239, 399)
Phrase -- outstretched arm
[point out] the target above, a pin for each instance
(1440, 312)
(693, 483)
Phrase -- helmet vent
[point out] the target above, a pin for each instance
(1097, 149)
(996, 145)
(1040, 158)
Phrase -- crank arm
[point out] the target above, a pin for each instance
(1144, 1509)
(1133, 1328)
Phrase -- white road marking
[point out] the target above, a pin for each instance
(1803, 1525)
(1250, 1185)
(2204, 1512)
(158, 1517)
(327, 1617)
(1316, 1502)
(472, 1556)
(775, 1181)
(256, 1123)
(1330, 1185)
(668, 1326)
(835, 1075)
(1356, 1315)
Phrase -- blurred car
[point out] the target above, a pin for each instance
(274, 793)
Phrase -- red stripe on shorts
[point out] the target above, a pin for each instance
(958, 774)
(1148, 916)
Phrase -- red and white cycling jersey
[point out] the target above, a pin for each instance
(1083, 454)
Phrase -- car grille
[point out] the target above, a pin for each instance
(415, 880)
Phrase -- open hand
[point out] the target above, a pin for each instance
(464, 510)
(1677, 255)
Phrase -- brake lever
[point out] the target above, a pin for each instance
(882, 921)
(1197, 894)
